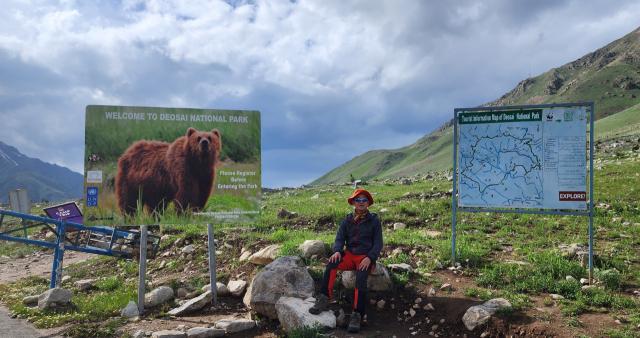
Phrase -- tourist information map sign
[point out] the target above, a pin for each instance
(526, 158)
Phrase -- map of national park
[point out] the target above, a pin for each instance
(501, 164)
(529, 158)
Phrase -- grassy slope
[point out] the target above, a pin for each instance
(624, 123)
(609, 77)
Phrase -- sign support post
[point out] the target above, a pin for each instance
(143, 268)
(212, 264)
(453, 193)
(590, 200)
(58, 255)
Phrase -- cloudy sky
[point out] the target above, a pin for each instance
(332, 79)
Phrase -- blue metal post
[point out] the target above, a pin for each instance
(591, 201)
(58, 257)
(453, 193)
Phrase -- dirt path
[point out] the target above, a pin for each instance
(18, 328)
(36, 264)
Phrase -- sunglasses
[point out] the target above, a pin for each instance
(361, 200)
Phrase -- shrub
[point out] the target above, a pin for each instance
(610, 278)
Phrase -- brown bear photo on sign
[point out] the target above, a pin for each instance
(158, 173)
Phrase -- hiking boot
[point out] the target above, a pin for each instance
(322, 304)
(354, 324)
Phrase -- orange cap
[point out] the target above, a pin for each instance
(358, 192)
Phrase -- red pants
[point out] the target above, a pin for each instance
(348, 262)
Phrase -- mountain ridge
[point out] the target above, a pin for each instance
(609, 77)
(43, 180)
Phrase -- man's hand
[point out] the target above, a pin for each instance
(335, 258)
(364, 264)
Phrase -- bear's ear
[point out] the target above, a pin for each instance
(190, 132)
(217, 133)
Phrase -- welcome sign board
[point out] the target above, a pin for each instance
(146, 165)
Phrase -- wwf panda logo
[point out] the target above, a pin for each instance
(94, 158)
(550, 116)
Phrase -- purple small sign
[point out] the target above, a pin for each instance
(67, 211)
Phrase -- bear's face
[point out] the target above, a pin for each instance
(203, 143)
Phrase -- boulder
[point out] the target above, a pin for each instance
(576, 251)
(245, 255)
(285, 277)
(478, 315)
(203, 332)
(168, 334)
(312, 247)
(402, 268)
(221, 288)
(235, 325)
(189, 249)
(265, 256)
(182, 292)
(54, 297)
(294, 312)
(85, 284)
(379, 279)
(158, 296)
(399, 226)
(130, 311)
(283, 213)
(193, 304)
(31, 300)
(237, 287)
(138, 334)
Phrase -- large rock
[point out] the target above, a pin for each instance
(245, 255)
(30, 300)
(237, 287)
(285, 277)
(168, 334)
(85, 284)
(193, 305)
(312, 247)
(294, 312)
(130, 311)
(235, 325)
(478, 315)
(203, 332)
(265, 256)
(54, 297)
(379, 279)
(402, 268)
(158, 296)
(576, 252)
(222, 289)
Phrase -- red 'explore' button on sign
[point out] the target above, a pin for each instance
(573, 195)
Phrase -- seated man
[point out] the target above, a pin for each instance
(361, 231)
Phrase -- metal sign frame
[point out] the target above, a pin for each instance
(455, 208)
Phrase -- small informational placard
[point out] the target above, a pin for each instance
(146, 165)
(67, 211)
(533, 158)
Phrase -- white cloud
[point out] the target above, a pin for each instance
(316, 69)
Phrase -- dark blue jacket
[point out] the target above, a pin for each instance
(364, 238)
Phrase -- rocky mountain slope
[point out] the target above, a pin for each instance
(44, 180)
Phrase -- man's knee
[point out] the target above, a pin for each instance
(332, 266)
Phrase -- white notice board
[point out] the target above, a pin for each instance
(527, 158)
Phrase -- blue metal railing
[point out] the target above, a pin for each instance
(121, 243)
